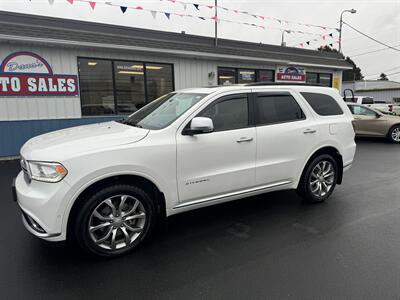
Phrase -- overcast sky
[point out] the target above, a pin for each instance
(380, 19)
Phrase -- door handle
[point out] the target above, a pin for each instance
(244, 140)
(309, 131)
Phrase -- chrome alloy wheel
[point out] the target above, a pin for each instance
(322, 178)
(117, 222)
(396, 134)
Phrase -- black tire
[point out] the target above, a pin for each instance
(84, 217)
(304, 187)
(391, 134)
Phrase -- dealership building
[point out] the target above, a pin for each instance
(57, 73)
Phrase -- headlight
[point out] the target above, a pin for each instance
(46, 171)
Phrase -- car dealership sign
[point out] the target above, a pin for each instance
(28, 74)
(291, 74)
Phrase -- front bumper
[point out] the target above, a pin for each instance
(42, 207)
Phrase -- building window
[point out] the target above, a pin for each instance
(247, 76)
(121, 87)
(322, 79)
(96, 87)
(158, 80)
(129, 86)
(265, 76)
(228, 76)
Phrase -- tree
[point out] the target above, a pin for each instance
(348, 75)
(383, 76)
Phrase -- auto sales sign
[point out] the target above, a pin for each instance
(28, 74)
(291, 74)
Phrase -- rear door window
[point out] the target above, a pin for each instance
(323, 104)
(277, 108)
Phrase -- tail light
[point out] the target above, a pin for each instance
(390, 107)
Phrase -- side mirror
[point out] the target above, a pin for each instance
(199, 125)
(348, 99)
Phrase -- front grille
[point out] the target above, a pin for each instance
(33, 224)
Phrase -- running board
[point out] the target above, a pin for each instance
(243, 192)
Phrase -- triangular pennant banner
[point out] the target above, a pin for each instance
(255, 16)
(196, 6)
(51, 2)
(301, 45)
(214, 18)
(331, 34)
(71, 1)
(202, 18)
(308, 43)
(153, 13)
(210, 6)
(331, 44)
(123, 8)
(92, 4)
(262, 17)
(139, 7)
(168, 15)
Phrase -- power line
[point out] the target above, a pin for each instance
(374, 51)
(371, 38)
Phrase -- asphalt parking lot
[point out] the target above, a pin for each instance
(267, 247)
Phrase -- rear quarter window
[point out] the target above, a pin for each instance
(323, 104)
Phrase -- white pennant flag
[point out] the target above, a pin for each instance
(153, 13)
(51, 2)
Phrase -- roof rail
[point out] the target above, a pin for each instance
(280, 83)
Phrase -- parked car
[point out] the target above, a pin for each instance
(373, 123)
(382, 106)
(107, 185)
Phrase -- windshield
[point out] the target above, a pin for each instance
(163, 111)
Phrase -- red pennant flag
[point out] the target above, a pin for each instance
(262, 17)
(173, 1)
(214, 18)
(301, 45)
(324, 37)
(263, 27)
(92, 4)
(210, 6)
(236, 11)
(139, 7)
(71, 1)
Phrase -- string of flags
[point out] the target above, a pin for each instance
(261, 17)
(154, 13)
(327, 39)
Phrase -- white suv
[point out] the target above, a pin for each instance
(106, 185)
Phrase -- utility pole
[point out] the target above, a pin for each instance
(216, 23)
(353, 11)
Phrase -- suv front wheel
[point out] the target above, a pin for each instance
(115, 220)
(319, 179)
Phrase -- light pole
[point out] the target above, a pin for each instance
(353, 11)
(216, 23)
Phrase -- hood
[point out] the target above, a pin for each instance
(81, 139)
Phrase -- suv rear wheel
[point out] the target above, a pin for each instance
(319, 179)
(115, 220)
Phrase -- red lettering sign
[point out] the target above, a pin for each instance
(27, 74)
